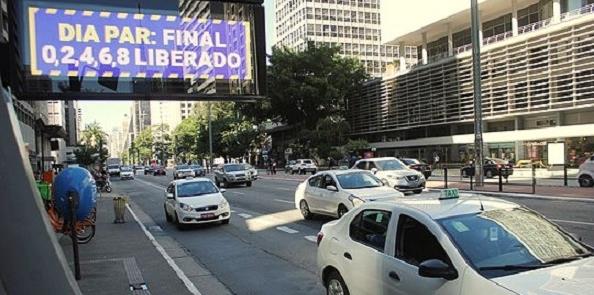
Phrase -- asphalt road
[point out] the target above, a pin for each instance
(269, 249)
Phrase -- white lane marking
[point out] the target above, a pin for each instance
(151, 184)
(244, 215)
(232, 211)
(311, 238)
(573, 222)
(235, 192)
(180, 274)
(287, 229)
(283, 201)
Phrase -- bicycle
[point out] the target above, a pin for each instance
(85, 229)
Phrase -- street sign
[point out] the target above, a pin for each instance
(75, 43)
(288, 151)
(449, 193)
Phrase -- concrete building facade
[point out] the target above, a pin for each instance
(354, 25)
(537, 76)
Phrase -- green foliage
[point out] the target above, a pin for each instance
(91, 148)
(356, 145)
(305, 86)
(143, 145)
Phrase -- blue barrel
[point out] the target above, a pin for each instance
(80, 182)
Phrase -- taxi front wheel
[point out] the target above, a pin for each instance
(335, 285)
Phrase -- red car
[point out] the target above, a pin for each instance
(159, 170)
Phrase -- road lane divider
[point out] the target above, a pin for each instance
(284, 201)
(311, 238)
(287, 229)
(180, 274)
(573, 222)
(245, 215)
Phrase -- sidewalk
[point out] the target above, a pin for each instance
(121, 257)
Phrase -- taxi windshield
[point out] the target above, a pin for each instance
(390, 165)
(192, 189)
(504, 242)
(358, 180)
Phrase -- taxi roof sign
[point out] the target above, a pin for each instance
(449, 193)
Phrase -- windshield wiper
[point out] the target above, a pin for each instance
(513, 267)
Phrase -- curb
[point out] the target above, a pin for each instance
(523, 196)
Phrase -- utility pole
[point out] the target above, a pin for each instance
(476, 78)
(209, 136)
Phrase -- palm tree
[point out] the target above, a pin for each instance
(93, 135)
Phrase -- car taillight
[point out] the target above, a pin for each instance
(498, 166)
(320, 237)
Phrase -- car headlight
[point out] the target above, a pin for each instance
(185, 207)
(356, 200)
(223, 204)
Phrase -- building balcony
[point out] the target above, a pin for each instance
(522, 30)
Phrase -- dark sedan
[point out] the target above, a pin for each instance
(418, 165)
(148, 170)
(159, 170)
(198, 170)
(491, 168)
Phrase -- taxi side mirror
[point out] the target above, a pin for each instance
(222, 190)
(170, 196)
(332, 188)
(374, 170)
(435, 268)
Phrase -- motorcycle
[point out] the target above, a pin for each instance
(104, 186)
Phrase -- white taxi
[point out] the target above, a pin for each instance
(451, 245)
(195, 201)
(335, 192)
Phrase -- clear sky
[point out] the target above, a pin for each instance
(398, 17)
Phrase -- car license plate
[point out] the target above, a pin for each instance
(207, 215)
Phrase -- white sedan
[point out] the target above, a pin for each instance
(451, 245)
(194, 201)
(126, 173)
(335, 192)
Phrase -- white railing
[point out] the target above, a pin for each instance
(577, 12)
(497, 38)
(534, 26)
(462, 48)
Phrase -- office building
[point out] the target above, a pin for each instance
(537, 75)
(353, 25)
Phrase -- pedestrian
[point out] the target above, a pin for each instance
(274, 167)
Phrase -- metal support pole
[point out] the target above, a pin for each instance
(445, 177)
(564, 174)
(72, 204)
(209, 136)
(471, 177)
(500, 179)
(533, 179)
(476, 77)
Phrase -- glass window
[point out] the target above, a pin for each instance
(370, 227)
(390, 165)
(315, 181)
(232, 168)
(504, 242)
(198, 188)
(361, 165)
(328, 180)
(415, 243)
(357, 180)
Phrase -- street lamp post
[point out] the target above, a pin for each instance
(476, 78)
(209, 136)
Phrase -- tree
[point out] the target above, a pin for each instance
(143, 144)
(305, 86)
(91, 148)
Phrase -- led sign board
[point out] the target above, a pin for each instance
(84, 43)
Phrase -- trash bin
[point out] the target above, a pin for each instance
(119, 209)
(45, 190)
